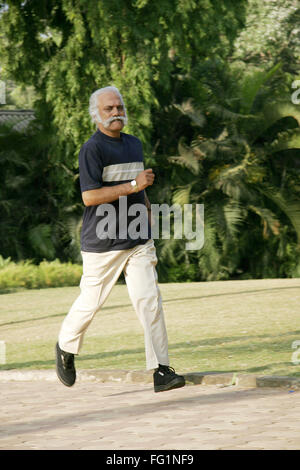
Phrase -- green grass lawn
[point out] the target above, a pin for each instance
(240, 326)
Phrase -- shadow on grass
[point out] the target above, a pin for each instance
(12, 290)
(186, 349)
(28, 320)
(262, 370)
(181, 299)
(29, 365)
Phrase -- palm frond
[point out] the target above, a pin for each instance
(268, 218)
(234, 213)
(187, 158)
(289, 139)
(205, 147)
(40, 240)
(74, 225)
(227, 115)
(196, 115)
(288, 205)
(252, 84)
(170, 251)
(182, 195)
(273, 111)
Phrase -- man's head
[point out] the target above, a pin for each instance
(108, 111)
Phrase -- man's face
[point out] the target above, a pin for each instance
(111, 110)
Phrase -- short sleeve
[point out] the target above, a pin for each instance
(90, 168)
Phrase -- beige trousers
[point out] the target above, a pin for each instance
(100, 273)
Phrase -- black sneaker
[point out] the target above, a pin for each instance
(165, 379)
(65, 368)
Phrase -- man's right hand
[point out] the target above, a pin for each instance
(145, 179)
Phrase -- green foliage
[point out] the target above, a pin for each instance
(30, 276)
(271, 30)
(208, 90)
(247, 177)
(36, 196)
(68, 49)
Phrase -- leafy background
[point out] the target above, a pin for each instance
(208, 90)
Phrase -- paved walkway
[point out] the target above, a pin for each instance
(45, 415)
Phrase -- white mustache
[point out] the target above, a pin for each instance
(114, 118)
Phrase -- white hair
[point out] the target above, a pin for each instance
(93, 104)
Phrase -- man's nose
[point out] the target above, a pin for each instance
(115, 111)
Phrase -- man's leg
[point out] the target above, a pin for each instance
(141, 279)
(100, 273)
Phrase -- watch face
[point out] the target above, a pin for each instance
(133, 183)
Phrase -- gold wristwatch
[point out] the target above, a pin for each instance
(134, 185)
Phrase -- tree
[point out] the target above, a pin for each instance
(33, 222)
(247, 176)
(271, 30)
(67, 49)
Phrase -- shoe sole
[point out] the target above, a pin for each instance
(175, 383)
(57, 370)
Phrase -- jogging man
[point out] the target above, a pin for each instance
(113, 182)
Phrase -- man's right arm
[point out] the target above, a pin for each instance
(107, 194)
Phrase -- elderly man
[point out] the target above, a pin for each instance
(112, 172)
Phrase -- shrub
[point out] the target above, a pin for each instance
(30, 276)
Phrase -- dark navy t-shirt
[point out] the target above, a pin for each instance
(121, 224)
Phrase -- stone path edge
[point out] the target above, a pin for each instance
(146, 377)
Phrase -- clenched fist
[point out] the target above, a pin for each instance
(144, 179)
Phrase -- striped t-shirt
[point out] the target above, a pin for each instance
(121, 224)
